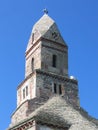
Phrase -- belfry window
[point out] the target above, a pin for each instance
(32, 64)
(55, 88)
(24, 93)
(26, 90)
(54, 61)
(32, 38)
(60, 89)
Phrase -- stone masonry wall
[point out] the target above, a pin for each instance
(44, 87)
(19, 114)
(31, 83)
(48, 50)
(35, 54)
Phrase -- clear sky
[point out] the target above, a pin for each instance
(78, 23)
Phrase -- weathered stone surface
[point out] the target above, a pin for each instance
(35, 54)
(44, 85)
(19, 114)
(50, 49)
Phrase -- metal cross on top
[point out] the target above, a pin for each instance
(45, 11)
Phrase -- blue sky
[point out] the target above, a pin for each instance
(78, 23)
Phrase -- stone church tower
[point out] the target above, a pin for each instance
(48, 97)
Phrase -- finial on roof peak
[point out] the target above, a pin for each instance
(45, 11)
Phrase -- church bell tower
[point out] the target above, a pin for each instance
(46, 70)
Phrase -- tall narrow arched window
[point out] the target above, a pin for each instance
(32, 38)
(60, 89)
(23, 93)
(55, 88)
(26, 90)
(32, 64)
(54, 60)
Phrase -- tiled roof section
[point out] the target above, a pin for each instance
(57, 112)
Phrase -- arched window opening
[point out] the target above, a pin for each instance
(32, 38)
(26, 90)
(32, 64)
(55, 88)
(23, 93)
(54, 61)
(60, 89)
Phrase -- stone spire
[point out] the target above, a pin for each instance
(45, 28)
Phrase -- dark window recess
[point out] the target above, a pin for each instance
(32, 64)
(55, 88)
(23, 93)
(54, 35)
(32, 38)
(54, 60)
(26, 90)
(60, 89)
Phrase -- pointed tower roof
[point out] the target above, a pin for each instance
(46, 28)
(43, 24)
